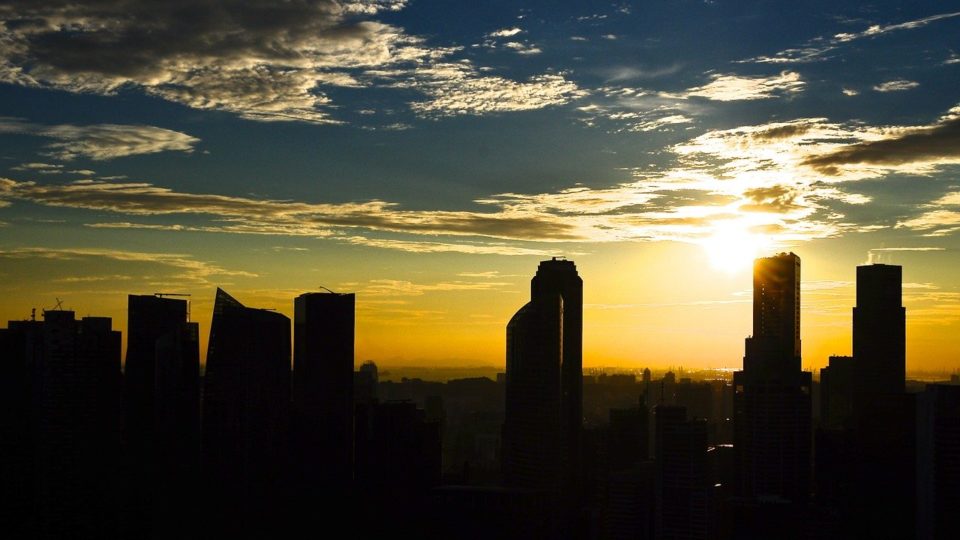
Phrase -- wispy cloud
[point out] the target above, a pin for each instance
(187, 268)
(505, 32)
(98, 141)
(729, 87)
(817, 48)
(908, 149)
(898, 85)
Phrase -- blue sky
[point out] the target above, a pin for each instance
(418, 149)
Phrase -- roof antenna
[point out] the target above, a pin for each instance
(326, 289)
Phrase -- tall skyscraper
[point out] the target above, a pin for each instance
(323, 389)
(151, 319)
(245, 409)
(533, 427)
(73, 384)
(544, 387)
(879, 330)
(772, 407)
(559, 277)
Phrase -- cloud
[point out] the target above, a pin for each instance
(260, 59)
(816, 49)
(40, 168)
(505, 32)
(98, 141)
(393, 287)
(910, 149)
(457, 89)
(187, 268)
(729, 87)
(264, 216)
(898, 85)
(940, 218)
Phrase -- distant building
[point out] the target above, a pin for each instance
(245, 409)
(772, 402)
(323, 402)
(837, 386)
(683, 499)
(879, 330)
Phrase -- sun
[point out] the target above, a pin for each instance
(732, 247)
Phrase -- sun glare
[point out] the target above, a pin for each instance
(732, 248)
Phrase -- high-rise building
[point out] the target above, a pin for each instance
(70, 371)
(323, 389)
(532, 428)
(837, 382)
(245, 409)
(879, 330)
(177, 430)
(150, 319)
(772, 403)
(938, 460)
(559, 277)
(683, 474)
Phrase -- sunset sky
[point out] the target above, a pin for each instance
(428, 154)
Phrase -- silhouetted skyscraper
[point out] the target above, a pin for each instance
(151, 318)
(559, 277)
(323, 389)
(74, 386)
(177, 430)
(148, 318)
(532, 428)
(879, 330)
(772, 407)
(245, 407)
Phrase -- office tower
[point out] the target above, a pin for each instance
(398, 461)
(938, 460)
(683, 473)
(533, 428)
(20, 351)
(149, 318)
(323, 389)
(559, 277)
(70, 370)
(628, 437)
(245, 406)
(837, 382)
(365, 382)
(879, 330)
(176, 430)
(772, 406)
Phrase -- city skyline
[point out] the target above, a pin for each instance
(424, 156)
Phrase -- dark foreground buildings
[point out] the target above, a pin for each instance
(332, 449)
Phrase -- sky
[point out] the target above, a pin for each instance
(426, 155)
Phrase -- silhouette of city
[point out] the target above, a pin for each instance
(282, 434)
